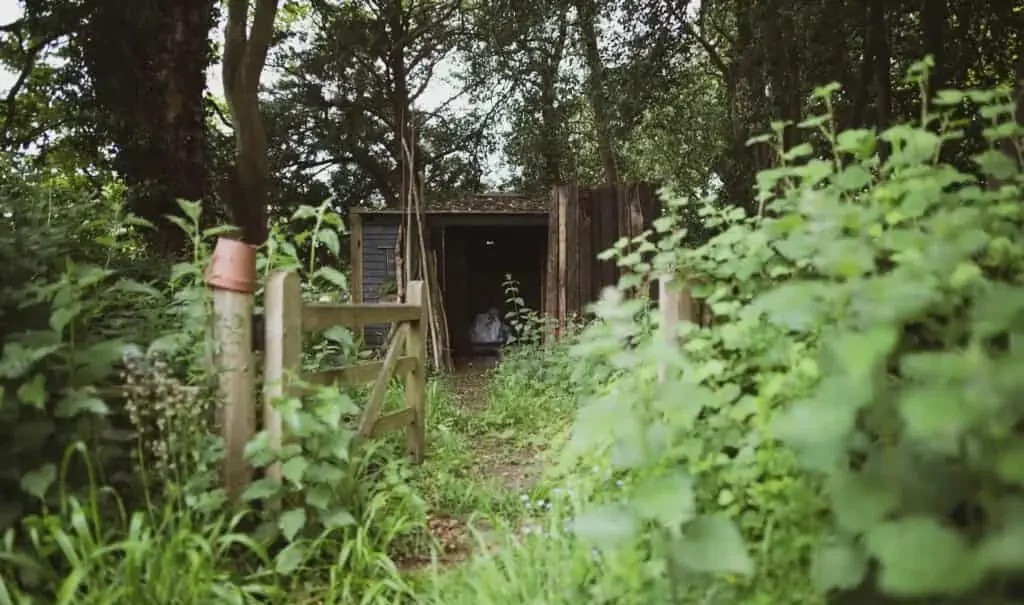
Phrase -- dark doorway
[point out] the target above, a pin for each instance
(477, 260)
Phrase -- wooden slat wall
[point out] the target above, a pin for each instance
(583, 223)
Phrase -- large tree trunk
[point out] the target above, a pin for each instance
(148, 61)
(245, 53)
(747, 110)
(551, 116)
(877, 46)
(596, 89)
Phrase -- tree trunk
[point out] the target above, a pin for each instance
(596, 86)
(148, 61)
(934, 15)
(245, 54)
(881, 58)
(551, 117)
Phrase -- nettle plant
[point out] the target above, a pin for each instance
(907, 277)
(323, 281)
(855, 407)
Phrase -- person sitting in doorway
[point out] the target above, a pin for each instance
(488, 329)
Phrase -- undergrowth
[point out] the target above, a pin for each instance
(845, 428)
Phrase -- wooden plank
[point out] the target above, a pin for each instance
(456, 294)
(676, 305)
(563, 255)
(318, 317)
(380, 386)
(587, 258)
(395, 420)
(355, 282)
(356, 374)
(552, 270)
(232, 330)
(283, 357)
(416, 380)
(635, 209)
(572, 247)
(607, 232)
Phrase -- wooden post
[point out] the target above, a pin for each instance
(283, 357)
(675, 304)
(232, 275)
(416, 381)
(355, 283)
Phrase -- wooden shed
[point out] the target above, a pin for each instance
(549, 244)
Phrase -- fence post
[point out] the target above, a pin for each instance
(232, 276)
(283, 354)
(416, 381)
(675, 304)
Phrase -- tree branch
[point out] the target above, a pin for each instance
(259, 40)
(234, 46)
(708, 47)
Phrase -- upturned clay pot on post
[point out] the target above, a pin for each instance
(232, 276)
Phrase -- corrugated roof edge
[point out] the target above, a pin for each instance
(483, 203)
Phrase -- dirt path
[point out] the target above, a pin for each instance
(500, 462)
(498, 457)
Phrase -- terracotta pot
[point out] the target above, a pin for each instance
(233, 266)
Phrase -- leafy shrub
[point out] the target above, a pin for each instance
(848, 427)
(868, 319)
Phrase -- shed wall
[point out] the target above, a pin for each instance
(379, 236)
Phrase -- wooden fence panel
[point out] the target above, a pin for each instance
(287, 318)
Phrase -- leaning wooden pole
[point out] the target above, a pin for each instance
(232, 276)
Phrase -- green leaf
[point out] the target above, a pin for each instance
(667, 499)
(191, 209)
(1010, 464)
(817, 427)
(996, 164)
(860, 500)
(938, 414)
(853, 178)
(291, 522)
(17, 360)
(329, 238)
(319, 496)
(325, 473)
(262, 489)
(608, 525)
(290, 558)
(1001, 549)
(33, 392)
(294, 469)
(339, 334)
(337, 518)
(838, 565)
(75, 403)
(859, 142)
(860, 354)
(332, 276)
(919, 558)
(38, 482)
(131, 286)
(712, 544)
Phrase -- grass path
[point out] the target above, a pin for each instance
(484, 458)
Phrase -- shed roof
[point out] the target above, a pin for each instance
(482, 203)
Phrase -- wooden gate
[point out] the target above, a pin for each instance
(288, 318)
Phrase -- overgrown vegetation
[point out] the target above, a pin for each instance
(845, 428)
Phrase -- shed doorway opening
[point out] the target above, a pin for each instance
(477, 260)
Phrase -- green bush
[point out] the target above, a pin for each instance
(849, 425)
